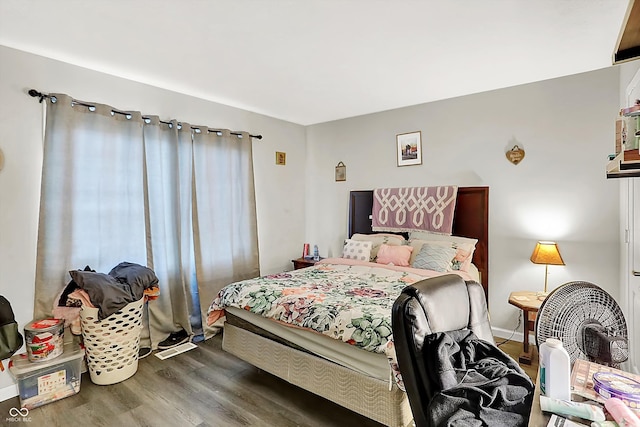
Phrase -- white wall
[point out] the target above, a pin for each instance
(280, 213)
(558, 192)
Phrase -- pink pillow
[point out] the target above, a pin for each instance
(396, 255)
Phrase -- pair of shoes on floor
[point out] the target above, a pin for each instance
(143, 352)
(176, 338)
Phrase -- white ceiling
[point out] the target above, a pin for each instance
(313, 61)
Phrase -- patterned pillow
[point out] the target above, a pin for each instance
(462, 258)
(378, 239)
(434, 257)
(354, 249)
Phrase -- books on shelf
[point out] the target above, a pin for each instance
(625, 166)
(627, 133)
(633, 110)
(620, 134)
(630, 160)
(631, 155)
(625, 162)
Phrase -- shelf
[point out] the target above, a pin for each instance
(618, 167)
(614, 171)
(626, 174)
(628, 44)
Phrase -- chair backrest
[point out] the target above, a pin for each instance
(437, 304)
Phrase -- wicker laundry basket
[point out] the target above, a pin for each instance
(112, 344)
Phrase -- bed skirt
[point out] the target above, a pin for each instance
(365, 395)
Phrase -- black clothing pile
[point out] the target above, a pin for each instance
(479, 384)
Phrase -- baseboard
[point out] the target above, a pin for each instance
(518, 336)
(506, 333)
(8, 392)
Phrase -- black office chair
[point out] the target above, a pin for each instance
(442, 304)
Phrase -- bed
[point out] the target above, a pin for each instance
(312, 343)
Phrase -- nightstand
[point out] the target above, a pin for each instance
(303, 263)
(529, 302)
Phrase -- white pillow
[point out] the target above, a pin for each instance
(359, 250)
(425, 235)
(378, 239)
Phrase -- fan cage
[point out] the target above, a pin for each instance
(570, 308)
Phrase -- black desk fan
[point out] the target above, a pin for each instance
(587, 320)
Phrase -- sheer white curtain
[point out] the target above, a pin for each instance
(122, 187)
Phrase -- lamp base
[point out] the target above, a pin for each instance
(542, 295)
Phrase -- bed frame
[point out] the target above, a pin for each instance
(376, 399)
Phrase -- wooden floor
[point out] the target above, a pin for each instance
(513, 349)
(203, 387)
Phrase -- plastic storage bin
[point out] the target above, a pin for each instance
(112, 343)
(45, 382)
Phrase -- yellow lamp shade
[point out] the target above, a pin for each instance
(546, 253)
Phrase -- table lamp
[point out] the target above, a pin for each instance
(546, 253)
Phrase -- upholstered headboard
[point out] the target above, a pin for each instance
(471, 219)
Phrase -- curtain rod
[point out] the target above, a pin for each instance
(36, 94)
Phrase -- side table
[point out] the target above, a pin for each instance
(303, 262)
(529, 302)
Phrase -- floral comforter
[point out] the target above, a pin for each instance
(344, 299)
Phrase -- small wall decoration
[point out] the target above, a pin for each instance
(281, 158)
(515, 155)
(409, 148)
(341, 172)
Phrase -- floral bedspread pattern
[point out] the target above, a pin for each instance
(350, 302)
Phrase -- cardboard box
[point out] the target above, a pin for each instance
(40, 383)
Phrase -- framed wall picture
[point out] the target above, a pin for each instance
(341, 172)
(409, 148)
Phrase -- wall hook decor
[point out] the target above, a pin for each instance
(341, 172)
(515, 155)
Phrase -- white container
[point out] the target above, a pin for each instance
(555, 370)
